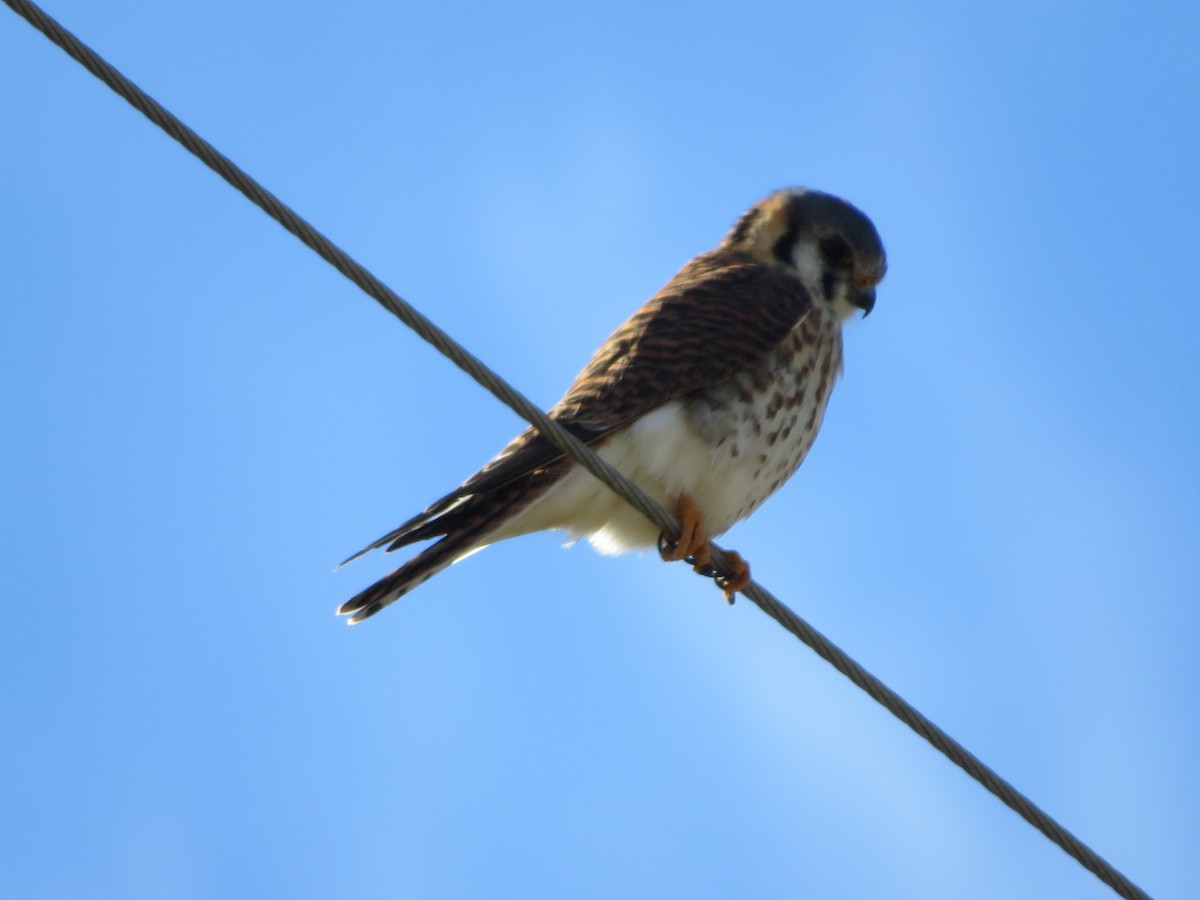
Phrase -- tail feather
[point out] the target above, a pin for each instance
(464, 523)
(527, 454)
(429, 523)
(415, 572)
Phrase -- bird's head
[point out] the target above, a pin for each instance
(829, 245)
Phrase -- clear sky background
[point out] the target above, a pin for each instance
(1001, 518)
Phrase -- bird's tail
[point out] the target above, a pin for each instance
(466, 523)
(416, 571)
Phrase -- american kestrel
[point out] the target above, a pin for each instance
(708, 397)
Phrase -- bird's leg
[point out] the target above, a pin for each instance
(692, 543)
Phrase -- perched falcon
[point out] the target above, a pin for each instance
(708, 397)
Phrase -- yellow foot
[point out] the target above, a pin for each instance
(692, 542)
(737, 578)
(692, 545)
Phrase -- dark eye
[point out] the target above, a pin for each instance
(836, 252)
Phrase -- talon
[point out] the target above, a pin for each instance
(666, 548)
(699, 558)
(736, 579)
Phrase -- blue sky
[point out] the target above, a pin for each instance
(1001, 518)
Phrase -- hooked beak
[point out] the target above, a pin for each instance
(864, 299)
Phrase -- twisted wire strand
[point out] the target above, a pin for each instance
(568, 443)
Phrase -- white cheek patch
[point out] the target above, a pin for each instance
(812, 269)
(808, 263)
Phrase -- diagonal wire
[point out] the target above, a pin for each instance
(564, 440)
